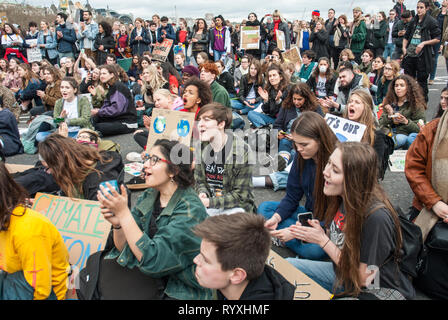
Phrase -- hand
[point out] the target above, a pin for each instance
(59, 34)
(101, 48)
(115, 203)
(279, 95)
(205, 201)
(92, 90)
(263, 94)
(147, 121)
(401, 119)
(63, 129)
(401, 33)
(194, 40)
(100, 89)
(419, 48)
(388, 109)
(63, 114)
(280, 136)
(251, 101)
(94, 112)
(283, 234)
(273, 222)
(441, 210)
(313, 234)
(42, 45)
(40, 93)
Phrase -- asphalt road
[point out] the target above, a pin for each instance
(394, 183)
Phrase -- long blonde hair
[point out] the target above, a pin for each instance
(155, 82)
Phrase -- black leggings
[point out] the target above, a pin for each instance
(141, 138)
(112, 128)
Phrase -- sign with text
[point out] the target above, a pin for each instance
(344, 129)
(33, 54)
(281, 41)
(306, 288)
(397, 160)
(292, 55)
(80, 223)
(161, 50)
(171, 125)
(250, 38)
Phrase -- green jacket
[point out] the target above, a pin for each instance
(171, 251)
(220, 94)
(237, 178)
(380, 35)
(358, 38)
(411, 127)
(84, 108)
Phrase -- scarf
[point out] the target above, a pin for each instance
(276, 24)
(439, 175)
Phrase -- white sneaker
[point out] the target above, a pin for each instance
(134, 157)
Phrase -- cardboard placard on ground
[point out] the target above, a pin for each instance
(171, 125)
(306, 288)
(14, 168)
(344, 129)
(292, 55)
(397, 160)
(80, 223)
(250, 38)
(33, 54)
(281, 41)
(161, 50)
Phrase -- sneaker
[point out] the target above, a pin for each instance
(134, 157)
(430, 82)
(136, 183)
(281, 163)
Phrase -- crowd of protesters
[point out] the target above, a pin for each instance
(196, 232)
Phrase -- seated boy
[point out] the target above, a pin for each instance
(232, 259)
(223, 174)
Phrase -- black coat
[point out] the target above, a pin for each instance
(108, 43)
(226, 80)
(245, 89)
(329, 85)
(320, 43)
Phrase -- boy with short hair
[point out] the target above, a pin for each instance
(232, 259)
(223, 174)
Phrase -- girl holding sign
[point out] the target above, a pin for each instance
(33, 257)
(314, 142)
(362, 232)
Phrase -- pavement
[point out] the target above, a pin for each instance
(394, 183)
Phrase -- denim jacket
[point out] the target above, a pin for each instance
(50, 44)
(171, 251)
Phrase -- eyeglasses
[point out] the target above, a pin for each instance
(154, 159)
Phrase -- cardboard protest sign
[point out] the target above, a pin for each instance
(63, 4)
(178, 49)
(3, 18)
(292, 55)
(171, 125)
(281, 41)
(397, 160)
(14, 168)
(125, 63)
(161, 50)
(80, 222)
(344, 129)
(33, 54)
(306, 288)
(250, 38)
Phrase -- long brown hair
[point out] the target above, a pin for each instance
(259, 78)
(366, 116)
(283, 82)
(302, 89)
(11, 195)
(29, 75)
(361, 196)
(312, 125)
(69, 161)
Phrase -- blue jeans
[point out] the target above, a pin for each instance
(404, 141)
(320, 271)
(284, 146)
(389, 50)
(436, 57)
(305, 250)
(236, 104)
(218, 55)
(259, 119)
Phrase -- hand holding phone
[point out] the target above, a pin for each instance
(304, 217)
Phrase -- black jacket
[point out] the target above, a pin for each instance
(108, 43)
(329, 85)
(271, 285)
(272, 107)
(227, 81)
(430, 30)
(320, 43)
(202, 44)
(285, 116)
(245, 89)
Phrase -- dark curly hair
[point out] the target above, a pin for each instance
(181, 158)
(414, 93)
(301, 89)
(204, 91)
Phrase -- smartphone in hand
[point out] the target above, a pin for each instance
(304, 217)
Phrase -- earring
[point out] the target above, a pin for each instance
(172, 180)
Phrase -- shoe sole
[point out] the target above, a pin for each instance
(140, 186)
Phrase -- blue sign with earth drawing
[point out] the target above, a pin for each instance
(183, 128)
(159, 124)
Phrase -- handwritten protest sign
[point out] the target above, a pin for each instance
(33, 54)
(306, 288)
(281, 41)
(161, 50)
(397, 160)
(171, 125)
(80, 223)
(179, 49)
(344, 129)
(250, 38)
(292, 55)
(3, 18)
